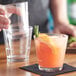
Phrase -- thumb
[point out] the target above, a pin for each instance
(74, 33)
(71, 30)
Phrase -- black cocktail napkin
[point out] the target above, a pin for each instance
(34, 69)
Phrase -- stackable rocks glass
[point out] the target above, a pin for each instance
(18, 35)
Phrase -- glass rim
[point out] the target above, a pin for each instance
(29, 28)
(55, 34)
(15, 3)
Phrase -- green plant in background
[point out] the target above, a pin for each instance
(71, 4)
(71, 39)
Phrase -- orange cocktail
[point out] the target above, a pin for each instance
(50, 49)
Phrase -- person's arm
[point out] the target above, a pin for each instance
(61, 23)
(59, 10)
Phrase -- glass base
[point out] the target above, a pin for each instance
(50, 69)
(17, 58)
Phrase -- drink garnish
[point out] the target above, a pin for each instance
(36, 30)
(48, 42)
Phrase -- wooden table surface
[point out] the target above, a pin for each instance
(12, 69)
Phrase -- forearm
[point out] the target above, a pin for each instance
(59, 11)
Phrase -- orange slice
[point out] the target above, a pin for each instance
(46, 39)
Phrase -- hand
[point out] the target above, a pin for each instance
(72, 45)
(4, 21)
(65, 29)
(5, 13)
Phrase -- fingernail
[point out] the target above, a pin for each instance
(0, 29)
(2, 13)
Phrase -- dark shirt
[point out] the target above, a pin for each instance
(38, 14)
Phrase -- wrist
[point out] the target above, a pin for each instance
(61, 21)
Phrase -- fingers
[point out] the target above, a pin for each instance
(71, 30)
(65, 29)
(4, 22)
(73, 45)
(13, 10)
(7, 11)
(3, 26)
(2, 12)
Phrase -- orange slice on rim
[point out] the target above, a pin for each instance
(46, 39)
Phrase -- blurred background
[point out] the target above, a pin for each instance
(71, 13)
